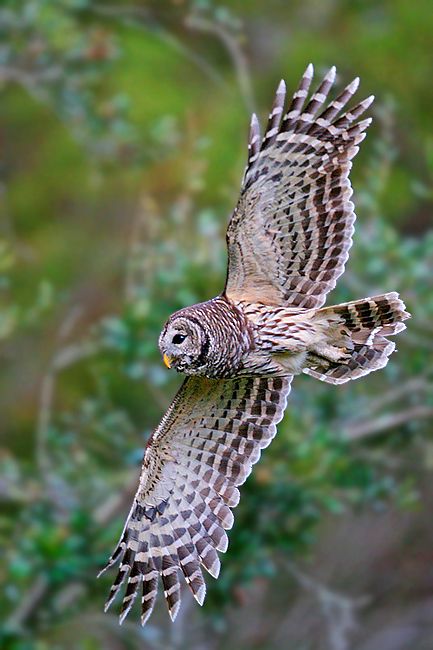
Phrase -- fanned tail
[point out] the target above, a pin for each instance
(362, 328)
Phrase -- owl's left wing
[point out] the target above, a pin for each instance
(289, 236)
(204, 447)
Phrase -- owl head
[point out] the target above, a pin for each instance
(184, 344)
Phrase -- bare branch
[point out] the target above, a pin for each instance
(116, 502)
(73, 590)
(70, 322)
(372, 427)
(415, 385)
(27, 606)
(233, 47)
(30, 79)
(63, 359)
(339, 610)
(418, 340)
(142, 17)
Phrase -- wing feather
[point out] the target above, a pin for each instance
(289, 236)
(188, 486)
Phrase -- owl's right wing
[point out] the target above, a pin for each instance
(204, 448)
(289, 236)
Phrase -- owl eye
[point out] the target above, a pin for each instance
(178, 338)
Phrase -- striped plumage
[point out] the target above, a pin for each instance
(292, 228)
(203, 449)
(288, 241)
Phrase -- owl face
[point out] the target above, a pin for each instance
(184, 345)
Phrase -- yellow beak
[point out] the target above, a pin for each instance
(167, 360)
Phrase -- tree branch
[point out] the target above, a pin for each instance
(27, 606)
(64, 358)
(339, 611)
(414, 385)
(141, 17)
(372, 427)
(233, 47)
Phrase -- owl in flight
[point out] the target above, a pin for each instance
(288, 241)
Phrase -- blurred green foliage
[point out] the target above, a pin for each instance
(122, 151)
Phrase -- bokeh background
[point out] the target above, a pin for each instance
(123, 139)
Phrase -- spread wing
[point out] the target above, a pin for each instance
(203, 449)
(289, 236)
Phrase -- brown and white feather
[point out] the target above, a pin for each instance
(204, 448)
(288, 242)
(289, 236)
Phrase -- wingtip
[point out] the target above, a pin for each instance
(254, 135)
(109, 600)
(145, 617)
(309, 71)
(102, 571)
(281, 87)
(215, 569)
(126, 609)
(354, 84)
(200, 595)
(174, 611)
(330, 75)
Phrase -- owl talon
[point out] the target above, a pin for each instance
(345, 355)
(333, 353)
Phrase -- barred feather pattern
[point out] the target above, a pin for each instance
(383, 314)
(204, 448)
(288, 241)
(289, 236)
(364, 359)
(369, 322)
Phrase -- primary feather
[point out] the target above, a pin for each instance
(203, 449)
(289, 236)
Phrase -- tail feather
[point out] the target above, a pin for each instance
(363, 325)
(361, 317)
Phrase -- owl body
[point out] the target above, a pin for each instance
(239, 339)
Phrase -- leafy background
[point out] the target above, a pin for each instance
(123, 128)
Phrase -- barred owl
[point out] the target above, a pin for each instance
(288, 241)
